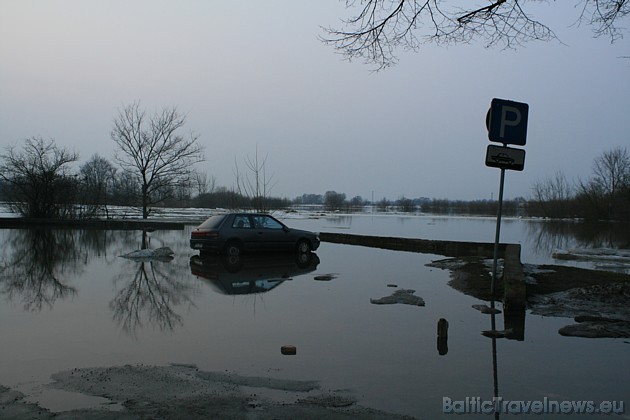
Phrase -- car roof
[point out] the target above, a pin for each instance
(223, 216)
(245, 213)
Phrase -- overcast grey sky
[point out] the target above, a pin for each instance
(253, 73)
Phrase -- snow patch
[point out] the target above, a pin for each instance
(163, 253)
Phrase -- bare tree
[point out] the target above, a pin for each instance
(611, 175)
(603, 15)
(383, 204)
(591, 200)
(204, 184)
(552, 195)
(357, 202)
(382, 26)
(406, 204)
(97, 178)
(333, 200)
(38, 178)
(611, 170)
(183, 191)
(255, 184)
(151, 150)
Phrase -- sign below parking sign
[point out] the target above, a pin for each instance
(505, 157)
(507, 122)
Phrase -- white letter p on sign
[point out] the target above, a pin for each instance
(505, 110)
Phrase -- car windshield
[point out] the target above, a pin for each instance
(212, 223)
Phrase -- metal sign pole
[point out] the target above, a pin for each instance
(496, 240)
(495, 373)
(506, 122)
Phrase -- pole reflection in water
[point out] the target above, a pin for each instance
(442, 337)
(495, 370)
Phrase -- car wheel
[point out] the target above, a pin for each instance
(303, 259)
(232, 248)
(232, 263)
(303, 246)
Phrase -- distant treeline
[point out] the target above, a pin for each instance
(40, 184)
(223, 197)
(334, 201)
(82, 202)
(76, 199)
(605, 195)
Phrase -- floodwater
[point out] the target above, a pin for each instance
(68, 300)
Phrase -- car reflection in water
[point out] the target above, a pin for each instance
(239, 275)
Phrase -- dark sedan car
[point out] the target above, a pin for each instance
(234, 233)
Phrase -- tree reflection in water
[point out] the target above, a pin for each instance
(549, 235)
(34, 264)
(152, 289)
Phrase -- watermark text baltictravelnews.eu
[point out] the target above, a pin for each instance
(477, 405)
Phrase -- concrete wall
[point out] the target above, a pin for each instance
(446, 248)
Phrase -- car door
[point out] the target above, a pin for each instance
(269, 232)
(242, 228)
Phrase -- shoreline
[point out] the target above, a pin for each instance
(114, 224)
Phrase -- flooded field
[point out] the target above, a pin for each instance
(69, 301)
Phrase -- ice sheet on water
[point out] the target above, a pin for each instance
(594, 254)
(5, 211)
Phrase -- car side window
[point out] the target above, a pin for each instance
(257, 222)
(264, 222)
(241, 222)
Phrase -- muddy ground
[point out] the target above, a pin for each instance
(598, 301)
(185, 392)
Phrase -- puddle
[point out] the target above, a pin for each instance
(57, 400)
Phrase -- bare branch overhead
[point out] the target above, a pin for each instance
(382, 26)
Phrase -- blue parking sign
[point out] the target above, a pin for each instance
(507, 122)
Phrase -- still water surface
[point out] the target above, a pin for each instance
(68, 301)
